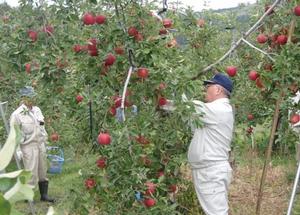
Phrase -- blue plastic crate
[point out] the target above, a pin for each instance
(55, 155)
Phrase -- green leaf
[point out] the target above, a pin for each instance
(5, 184)
(5, 207)
(8, 149)
(19, 192)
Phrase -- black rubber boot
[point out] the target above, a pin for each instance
(43, 186)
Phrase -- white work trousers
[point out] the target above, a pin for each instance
(34, 158)
(211, 184)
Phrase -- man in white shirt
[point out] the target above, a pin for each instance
(209, 149)
(33, 140)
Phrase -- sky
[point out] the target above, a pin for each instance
(197, 5)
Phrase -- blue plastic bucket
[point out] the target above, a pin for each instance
(55, 155)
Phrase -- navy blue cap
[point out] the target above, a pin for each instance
(27, 91)
(222, 80)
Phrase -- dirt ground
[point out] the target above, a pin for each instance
(245, 185)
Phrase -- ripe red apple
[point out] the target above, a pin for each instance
(119, 50)
(104, 139)
(259, 83)
(173, 188)
(151, 188)
(77, 48)
(162, 86)
(149, 202)
(143, 73)
(90, 183)
(138, 37)
(142, 140)
(162, 101)
(79, 98)
(160, 173)
(112, 111)
(250, 116)
(88, 19)
(295, 118)
(201, 23)
(282, 39)
(93, 52)
(261, 38)
(249, 130)
(267, 8)
(54, 137)
(109, 60)
(28, 68)
(253, 75)
(132, 31)
(163, 31)
(101, 162)
(268, 67)
(100, 19)
(48, 29)
(167, 23)
(92, 44)
(32, 35)
(117, 101)
(297, 10)
(231, 71)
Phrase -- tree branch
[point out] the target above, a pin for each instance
(251, 45)
(236, 45)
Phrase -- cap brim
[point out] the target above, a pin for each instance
(208, 82)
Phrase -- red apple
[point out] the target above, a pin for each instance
(268, 67)
(143, 73)
(132, 31)
(109, 60)
(282, 39)
(32, 35)
(101, 162)
(138, 37)
(173, 188)
(167, 23)
(77, 48)
(90, 183)
(259, 83)
(112, 111)
(79, 98)
(261, 38)
(119, 50)
(151, 188)
(162, 86)
(104, 139)
(231, 71)
(142, 140)
(100, 19)
(28, 68)
(93, 53)
(88, 19)
(295, 118)
(149, 202)
(162, 101)
(250, 117)
(249, 130)
(163, 31)
(92, 44)
(253, 75)
(54, 137)
(48, 29)
(160, 173)
(297, 10)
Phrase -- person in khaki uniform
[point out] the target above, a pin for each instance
(34, 136)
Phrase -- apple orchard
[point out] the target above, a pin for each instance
(80, 55)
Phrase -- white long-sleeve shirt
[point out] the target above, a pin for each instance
(212, 141)
(30, 123)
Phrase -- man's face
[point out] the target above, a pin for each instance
(29, 102)
(212, 91)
